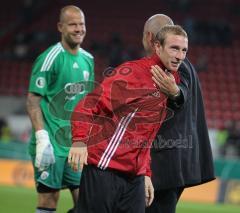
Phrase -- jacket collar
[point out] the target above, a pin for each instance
(157, 60)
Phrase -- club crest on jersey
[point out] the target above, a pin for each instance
(40, 82)
(85, 75)
(44, 175)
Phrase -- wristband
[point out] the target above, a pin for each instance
(41, 134)
(175, 95)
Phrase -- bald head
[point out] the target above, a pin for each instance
(155, 22)
(151, 28)
(70, 9)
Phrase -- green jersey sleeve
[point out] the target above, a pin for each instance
(43, 70)
(39, 79)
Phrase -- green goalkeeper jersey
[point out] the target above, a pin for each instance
(62, 79)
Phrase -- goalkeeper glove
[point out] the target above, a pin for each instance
(44, 150)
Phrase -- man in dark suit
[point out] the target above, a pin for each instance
(181, 154)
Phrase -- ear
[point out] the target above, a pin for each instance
(151, 37)
(156, 46)
(59, 26)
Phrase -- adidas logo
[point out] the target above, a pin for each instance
(75, 65)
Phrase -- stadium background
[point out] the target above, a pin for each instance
(114, 33)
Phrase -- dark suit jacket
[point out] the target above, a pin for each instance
(181, 154)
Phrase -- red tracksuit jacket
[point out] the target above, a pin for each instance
(121, 117)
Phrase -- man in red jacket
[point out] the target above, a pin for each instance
(113, 129)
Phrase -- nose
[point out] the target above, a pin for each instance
(78, 28)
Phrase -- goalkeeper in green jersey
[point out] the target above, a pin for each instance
(61, 76)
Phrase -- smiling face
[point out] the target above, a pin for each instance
(73, 29)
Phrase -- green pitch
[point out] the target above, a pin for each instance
(23, 200)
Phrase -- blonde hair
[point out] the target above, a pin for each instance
(170, 29)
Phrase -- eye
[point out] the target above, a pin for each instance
(72, 24)
(185, 50)
(175, 48)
